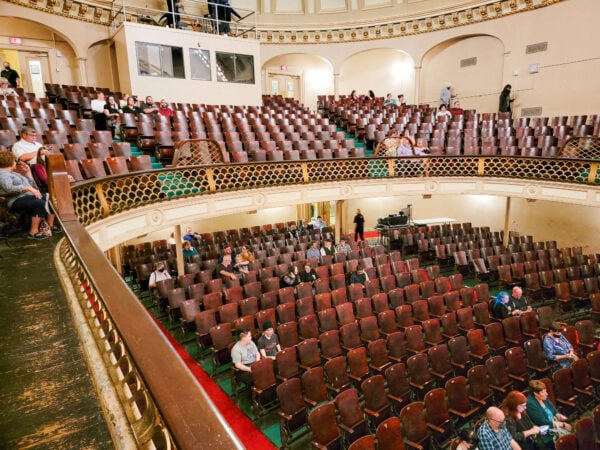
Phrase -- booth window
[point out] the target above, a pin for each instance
(159, 60)
(235, 68)
(200, 64)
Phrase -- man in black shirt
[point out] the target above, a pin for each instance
(11, 75)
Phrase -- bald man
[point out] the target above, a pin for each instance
(493, 435)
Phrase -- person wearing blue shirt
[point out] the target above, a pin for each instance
(557, 347)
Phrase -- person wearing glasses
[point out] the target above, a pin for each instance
(492, 433)
(519, 424)
(26, 149)
(557, 347)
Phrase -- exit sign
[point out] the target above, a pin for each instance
(15, 40)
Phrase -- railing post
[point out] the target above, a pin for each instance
(60, 188)
(593, 173)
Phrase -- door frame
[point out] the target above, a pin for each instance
(288, 73)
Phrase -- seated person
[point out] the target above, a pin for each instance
(290, 278)
(359, 275)
(327, 248)
(159, 274)
(292, 232)
(246, 254)
(164, 110)
(518, 422)
(420, 148)
(149, 107)
(401, 101)
(492, 434)
(405, 147)
(319, 224)
(226, 269)
(305, 226)
(131, 106)
(5, 89)
(343, 246)
(313, 251)
(268, 342)
(191, 235)
(27, 148)
(443, 112)
(501, 308)
(188, 250)
(227, 251)
(518, 302)
(243, 354)
(240, 266)
(23, 196)
(456, 110)
(98, 105)
(171, 240)
(308, 275)
(557, 347)
(112, 111)
(389, 100)
(542, 411)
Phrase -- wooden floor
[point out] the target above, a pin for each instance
(47, 400)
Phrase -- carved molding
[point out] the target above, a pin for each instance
(102, 14)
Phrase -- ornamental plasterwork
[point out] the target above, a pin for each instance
(103, 15)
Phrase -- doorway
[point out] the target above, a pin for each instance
(36, 72)
(287, 86)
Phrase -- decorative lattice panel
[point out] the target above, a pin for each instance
(254, 175)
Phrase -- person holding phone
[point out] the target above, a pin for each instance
(543, 412)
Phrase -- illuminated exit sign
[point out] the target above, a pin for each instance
(15, 40)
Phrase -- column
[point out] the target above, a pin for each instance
(336, 84)
(179, 250)
(82, 70)
(506, 221)
(339, 219)
(417, 84)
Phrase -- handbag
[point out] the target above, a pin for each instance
(558, 431)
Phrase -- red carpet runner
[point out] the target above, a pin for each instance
(250, 436)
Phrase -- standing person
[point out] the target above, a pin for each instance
(11, 75)
(446, 94)
(268, 342)
(243, 354)
(22, 196)
(543, 412)
(492, 435)
(505, 100)
(175, 7)
(557, 347)
(518, 422)
(224, 13)
(359, 226)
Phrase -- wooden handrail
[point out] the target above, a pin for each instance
(188, 413)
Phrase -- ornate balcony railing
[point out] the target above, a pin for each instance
(97, 199)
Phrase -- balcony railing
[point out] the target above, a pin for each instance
(97, 199)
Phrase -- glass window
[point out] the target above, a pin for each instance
(200, 64)
(235, 68)
(159, 60)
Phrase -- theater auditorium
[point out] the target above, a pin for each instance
(329, 224)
